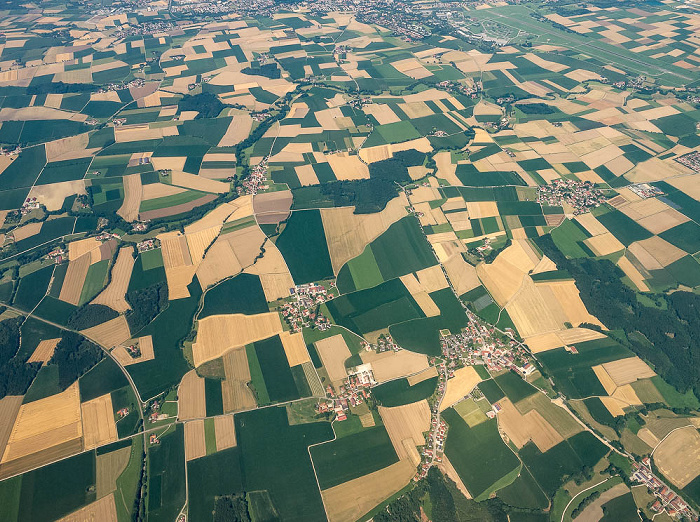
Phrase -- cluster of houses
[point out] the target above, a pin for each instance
(147, 244)
(257, 180)
(122, 413)
(302, 309)
(453, 86)
(384, 344)
(690, 160)
(29, 205)
(10, 151)
(645, 191)
(353, 392)
(581, 195)
(666, 499)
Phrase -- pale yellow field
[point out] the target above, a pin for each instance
(75, 279)
(132, 197)
(660, 249)
(426, 304)
(448, 470)
(9, 408)
(604, 244)
(391, 365)
(648, 437)
(678, 455)
(613, 406)
(108, 468)
(99, 427)
(307, 175)
(238, 130)
(44, 351)
(462, 275)
(199, 241)
(605, 379)
(77, 249)
(159, 190)
(52, 196)
(426, 374)
(195, 442)
(294, 348)
(626, 371)
(627, 396)
(662, 221)
(381, 112)
(568, 297)
(194, 182)
(191, 398)
(26, 231)
(104, 510)
(333, 352)
(462, 383)
(535, 310)
(552, 340)
(633, 273)
(113, 295)
(348, 234)
(346, 167)
(218, 333)
(504, 277)
(219, 263)
(382, 152)
(521, 429)
(236, 394)
(45, 423)
(405, 426)
(109, 334)
(225, 432)
(274, 274)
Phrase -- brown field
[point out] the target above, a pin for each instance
(613, 406)
(555, 415)
(276, 203)
(677, 456)
(593, 512)
(191, 397)
(98, 422)
(406, 425)
(347, 167)
(605, 379)
(218, 333)
(633, 273)
(75, 279)
(238, 130)
(349, 501)
(426, 374)
(9, 408)
(108, 468)
(521, 429)
(225, 432)
(391, 365)
(294, 348)
(236, 394)
(482, 209)
(604, 244)
(145, 345)
(104, 510)
(333, 352)
(109, 334)
(132, 198)
(459, 386)
(45, 423)
(177, 209)
(44, 351)
(646, 391)
(26, 231)
(113, 295)
(194, 182)
(626, 371)
(661, 250)
(348, 234)
(195, 443)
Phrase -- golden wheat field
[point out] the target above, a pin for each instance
(99, 427)
(461, 383)
(333, 352)
(236, 394)
(677, 456)
(191, 397)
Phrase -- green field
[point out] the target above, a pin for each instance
(353, 456)
(166, 475)
(170, 201)
(242, 294)
(303, 245)
(278, 377)
(398, 392)
(212, 476)
(94, 280)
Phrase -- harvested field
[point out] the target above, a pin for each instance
(104, 510)
(274, 205)
(26, 231)
(605, 379)
(199, 241)
(38, 458)
(446, 467)
(236, 394)
(346, 167)
(99, 427)
(426, 304)
(108, 468)
(109, 334)
(427, 280)
(113, 295)
(662, 221)
(132, 198)
(593, 512)
(659, 249)
(405, 426)
(75, 279)
(9, 408)
(482, 209)
(307, 175)
(77, 249)
(505, 275)
(229, 253)
(367, 420)
(626, 371)
(159, 190)
(552, 340)
(567, 295)
(178, 265)
(648, 437)
(348, 234)
(218, 333)
(391, 365)
(462, 275)
(191, 397)
(44, 351)
(52, 196)
(677, 456)
(225, 432)
(274, 275)
(626, 396)
(352, 499)
(194, 182)
(426, 374)
(535, 310)
(238, 130)
(633, 273)
(459, 385)
(45, 423)
(333, 352)
(604, 244)
(613, 406)
(195, 442)
(294, 348)
(145, 345)
(521, 429)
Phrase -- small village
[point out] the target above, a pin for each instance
(667, 500)
(690, 160)
(302, 309)
(581, 195)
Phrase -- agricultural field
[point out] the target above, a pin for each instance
(349, 261)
